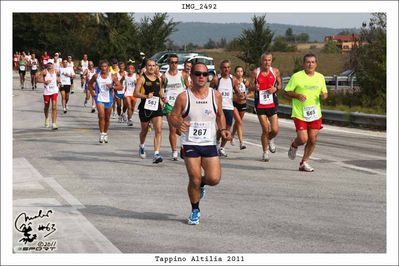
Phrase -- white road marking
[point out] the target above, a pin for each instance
(73, 227)
(68, 197)
(342, 164)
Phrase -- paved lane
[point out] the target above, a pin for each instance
(106, 199)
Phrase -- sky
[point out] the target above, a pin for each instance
(330, 20)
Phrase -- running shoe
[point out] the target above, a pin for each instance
(93, 109)
(202, 192)
(243, 146)
(65, 110)
(194, 217)
(101, 140)
(55, 126)
(130, 123)
(85, 103)
(47, 122)
(265, 156)
(306, 167)
(120, 119)
(272, 146)
(33, 88)
(175, 154)
(113, 116)
(124, 117)
(222, 152)
(22, 87)
(72, 91)
(157, 158)
(105, 137)
(292, 151)
(142, 153)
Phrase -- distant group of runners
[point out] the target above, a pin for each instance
(205, 116)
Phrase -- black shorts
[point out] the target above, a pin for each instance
(147, 115)
(66, 88)
(229, 115)
(22, 72)
(195, 151)
(269, 112)
(241, 107)
(33, 72)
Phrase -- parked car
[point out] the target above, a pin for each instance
(208, 61)
(344, 78)
(161, 58)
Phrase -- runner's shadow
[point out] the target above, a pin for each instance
(116, 212)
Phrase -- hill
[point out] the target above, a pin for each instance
(199, 32)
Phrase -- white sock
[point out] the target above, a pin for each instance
(142, 146)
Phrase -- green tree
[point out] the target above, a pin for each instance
(280, 44)
(369, 62)
(255, 41)
(302, 37)
(330, 47)
(154, 33)
(210, 44)
(289, 35)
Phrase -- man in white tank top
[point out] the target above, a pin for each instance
(84, 64)
(197, 113)
(50, 78)
(174, 84)
(226, 84)
(87, 75)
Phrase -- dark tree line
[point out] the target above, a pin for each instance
(100, 35)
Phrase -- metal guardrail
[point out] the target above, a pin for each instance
(335, 83)
(355, 118)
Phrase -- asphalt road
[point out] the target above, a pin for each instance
(104, 199)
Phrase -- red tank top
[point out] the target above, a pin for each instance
(265, 83)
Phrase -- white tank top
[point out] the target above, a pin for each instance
(174, 85)
(52, 87)
(225, 88)
(84, 64)
(201, 113)
(34, 63)
(123, 83)
(90, 74)
(130, 84)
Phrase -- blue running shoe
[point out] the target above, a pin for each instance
(202, 192)
(194, 217)
(157, 158)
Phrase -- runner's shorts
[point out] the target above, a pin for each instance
(241, 107)
(228, 114)
(303, 125)
(147, 115)
(269, 112)
(195, 151)
(52, 97)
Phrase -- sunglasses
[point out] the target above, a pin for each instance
(199, 73)
(173, 62)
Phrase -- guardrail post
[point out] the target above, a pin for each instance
(336, 83)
